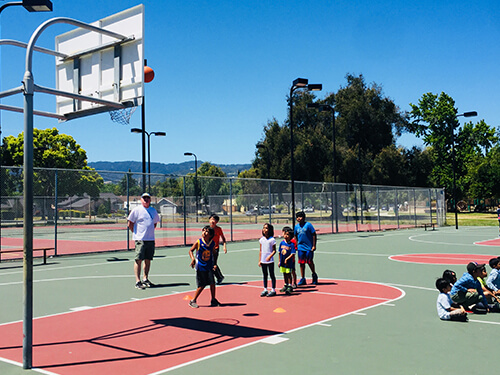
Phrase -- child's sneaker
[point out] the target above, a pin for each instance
(272, 293)
(264, 293)
(302, 282)
(283, 290)
(314, 279)
(214, 303)
(139, 285)
(289, 290)
(147, 283)
(193, 304)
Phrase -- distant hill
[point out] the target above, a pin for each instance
(176, 169)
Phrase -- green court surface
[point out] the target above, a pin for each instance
(404, 336)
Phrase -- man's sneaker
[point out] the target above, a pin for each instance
(314, 279)
(147, 283)
(220, 280)
(264, 293)
(283, 290)
(289, 290)
(272, 293)
(214, 303)
(193, 304)
(302, 282)
(139, 285)
(294, 286)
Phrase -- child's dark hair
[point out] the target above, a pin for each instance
(450, 276)
(215, 217)
(442, 284)
(494, 262)
(211, 231)
(270, 230)
(288, 230)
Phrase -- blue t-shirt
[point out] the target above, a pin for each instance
(304, 236)
(286, 248)
(205, 256)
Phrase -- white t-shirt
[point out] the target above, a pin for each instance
(266, 245)
(144, 223)
(443, 305)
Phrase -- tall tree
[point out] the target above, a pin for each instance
(435, 120)
(54, 150)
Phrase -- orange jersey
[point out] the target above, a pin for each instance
(217, 236)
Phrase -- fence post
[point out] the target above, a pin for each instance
(430, 204)
(56, 214)
(378, 208)
(185, 208)
(396, 207)
(415, 206)
(269, 199)
(128, 210)
(231, 206)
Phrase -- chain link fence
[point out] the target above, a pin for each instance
(78, 211)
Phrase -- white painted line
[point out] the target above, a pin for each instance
(273, 340)
(81, 308)
(361, 314)
(326, 325)
(481, 321)
(388, 304)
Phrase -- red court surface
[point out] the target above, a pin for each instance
(442, 258)
(494, 242)
(157, 334)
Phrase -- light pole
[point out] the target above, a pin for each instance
(453, 162)
(299, 83)
(329, 108)
(195, 179)
(158, 134)
(31, 5)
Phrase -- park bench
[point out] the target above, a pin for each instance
(44, 249)
(430, 225)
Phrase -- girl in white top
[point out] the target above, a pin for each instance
(266, 260)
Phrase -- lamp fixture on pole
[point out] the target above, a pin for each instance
(195, 179)
(453, 161)
(158, 134)
(299, 83)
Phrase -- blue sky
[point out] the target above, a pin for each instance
(224, 68)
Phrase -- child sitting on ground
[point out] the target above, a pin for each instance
(467, 290)
(446, 309)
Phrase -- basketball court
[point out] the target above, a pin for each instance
(369, 314)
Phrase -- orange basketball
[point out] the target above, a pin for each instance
(149, 74)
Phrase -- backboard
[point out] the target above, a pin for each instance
(101, 66)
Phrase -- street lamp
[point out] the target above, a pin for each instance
(195, 179)
(465, 114)
(31, 5)
(158, 134)
(299, 83)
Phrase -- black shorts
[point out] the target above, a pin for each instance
(204, 278)
(144, 250)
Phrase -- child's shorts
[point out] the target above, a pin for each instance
(305, 257)
(285, 270)
(204, 278)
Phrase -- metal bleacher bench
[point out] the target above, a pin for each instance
(44, 249)
(430, 225)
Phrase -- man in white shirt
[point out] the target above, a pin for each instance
(142, 222)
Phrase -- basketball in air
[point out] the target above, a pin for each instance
(149, 74)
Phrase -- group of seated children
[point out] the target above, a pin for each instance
(471, 293)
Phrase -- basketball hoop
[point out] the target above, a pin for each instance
(122, 116)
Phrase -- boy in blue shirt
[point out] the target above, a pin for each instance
(468, 291)
(305, 235)
(287, 258)
(493, 281)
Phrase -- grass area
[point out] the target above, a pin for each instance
(473, 219)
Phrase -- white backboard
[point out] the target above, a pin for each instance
(94, 70)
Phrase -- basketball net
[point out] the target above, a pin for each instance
(122, 116)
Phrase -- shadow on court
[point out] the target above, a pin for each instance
(198, 334)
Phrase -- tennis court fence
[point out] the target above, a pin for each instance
(85, 210)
